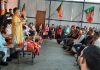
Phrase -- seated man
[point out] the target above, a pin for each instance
(90, 58)
(69, 40)
(52, 32)
(77, 47)
(4, 49)
(88, 40)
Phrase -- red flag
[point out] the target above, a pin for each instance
(59, 9)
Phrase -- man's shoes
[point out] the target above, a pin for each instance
(64, 47)
(14, 55)
(9, 59)
(72, 53)
(4, 63)
(68, 50)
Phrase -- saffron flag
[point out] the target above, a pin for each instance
(59, 9)
(89, 14)
(23, 11)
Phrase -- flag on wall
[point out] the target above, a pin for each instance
(23, 11)
(60, 13)
(89, 14)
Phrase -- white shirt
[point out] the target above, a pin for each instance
(8, 29)
(77, 41)
(26, 31)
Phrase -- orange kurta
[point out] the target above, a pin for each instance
(17, 31)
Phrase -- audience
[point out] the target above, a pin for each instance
(85, 42)
(52, 32)
(46, 31)
(59, 34)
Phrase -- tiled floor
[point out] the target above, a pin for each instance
(52, 57)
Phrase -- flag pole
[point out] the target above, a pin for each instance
(82, 14)
(18, 3)
(61, 18)
(49, 12)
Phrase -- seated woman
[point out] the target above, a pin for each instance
(33, 46)
(4, 49)
(59, 34)
(73, 28)
(32, 29)
(26, 31)
(46, 31)
(75, 33)
(40, 39)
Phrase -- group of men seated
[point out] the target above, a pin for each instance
(85, 42)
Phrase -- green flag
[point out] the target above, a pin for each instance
(90, 14)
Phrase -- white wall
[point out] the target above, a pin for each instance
(32, 6)
(71, 11)
(95, 1)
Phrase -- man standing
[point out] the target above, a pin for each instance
(17, 31)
